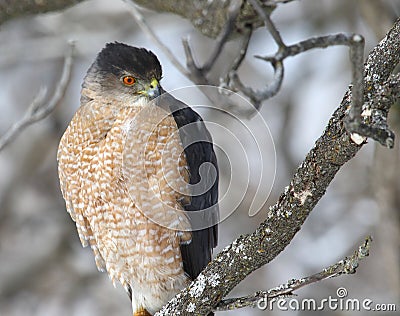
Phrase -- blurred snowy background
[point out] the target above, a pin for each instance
(43, 268)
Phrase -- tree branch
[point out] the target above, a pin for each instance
(199, 74)
(284, 219)
(348, 265)
(15, 9)
(209, 17)
(355, 42)
(265, 16)
(39, 109)
(372, 122)
(232, 13)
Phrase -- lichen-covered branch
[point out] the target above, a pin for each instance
(209, 17)
(284, 219)
(19, 8)
(206, 16)
(372, 122)
(348, 265)
(39, 108)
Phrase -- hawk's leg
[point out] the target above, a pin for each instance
(141, 312)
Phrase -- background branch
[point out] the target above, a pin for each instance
(15, 9)
(331, 151)
(39, 108)
(355, 42)
(201, 74)
(206, 16)
(209, 16)
(266, 17)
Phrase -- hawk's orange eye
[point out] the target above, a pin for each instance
(128, 80)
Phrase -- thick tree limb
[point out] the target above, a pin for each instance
(10, 9)
(207, 16)
(284, 219)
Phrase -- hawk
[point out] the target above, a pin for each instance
(139, 177)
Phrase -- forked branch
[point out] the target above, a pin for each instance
(355, 123)
(261, 299)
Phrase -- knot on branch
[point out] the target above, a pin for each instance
(372, 121)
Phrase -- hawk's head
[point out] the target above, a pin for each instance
(125, 72)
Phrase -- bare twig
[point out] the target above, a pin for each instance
(257, 96)
(355, 42)
(233, 11)
(195, 73)
(39, 109)
(354, 119)
(225, 82)
(275, 2)
(243, 50)
(268, 23)
(199, 74)
(140, 20)
(311, 43)
(346, 266)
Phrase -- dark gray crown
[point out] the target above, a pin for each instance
(118, 57)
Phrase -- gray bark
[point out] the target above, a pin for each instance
(331, 151)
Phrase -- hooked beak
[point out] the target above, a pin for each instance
(153, 90)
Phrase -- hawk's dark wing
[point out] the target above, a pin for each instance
(203, 209)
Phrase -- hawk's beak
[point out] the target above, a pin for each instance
(153, 90)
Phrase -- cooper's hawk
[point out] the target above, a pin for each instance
(139, 177)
